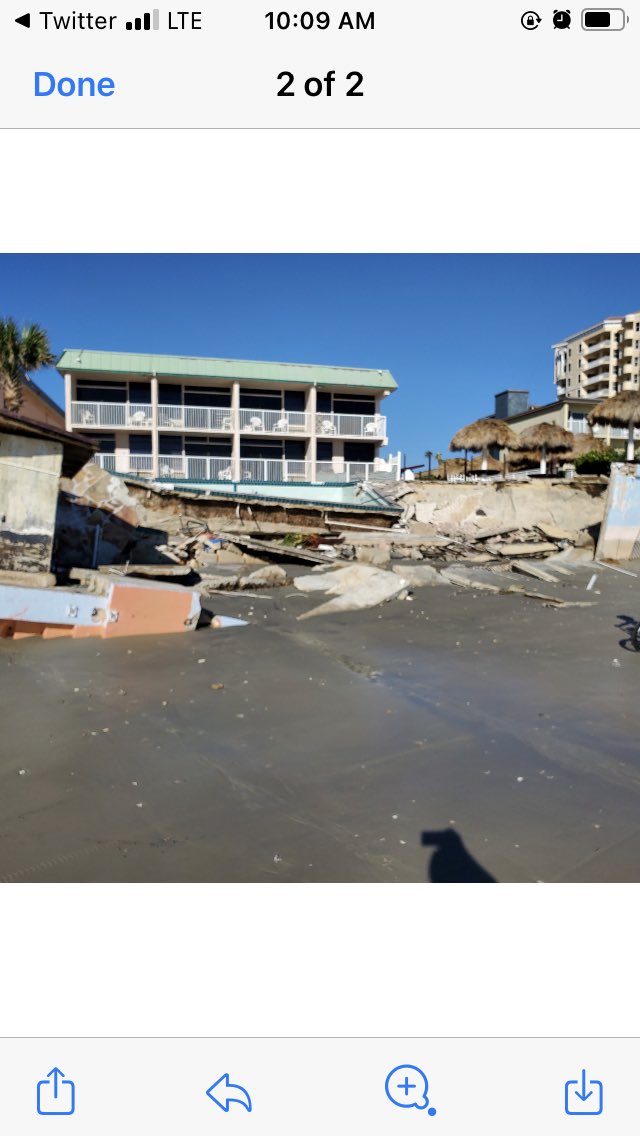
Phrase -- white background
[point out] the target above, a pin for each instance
(317, 960)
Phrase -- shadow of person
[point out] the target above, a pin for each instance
(628, 624)
(450, 862)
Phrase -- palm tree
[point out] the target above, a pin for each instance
(20, 352)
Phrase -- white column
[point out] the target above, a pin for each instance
(68, 395)
(122, 451)
(235, 425)
(312, 410)
(154, 426)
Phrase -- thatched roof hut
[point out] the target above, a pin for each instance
(545, 437)
(449, 467)
(585, 444)
(621, 409)
(481, 435)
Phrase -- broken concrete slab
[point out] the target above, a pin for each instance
(471, 578)
(525, 548)
(358, 586)
(28, 579)
(421, 575)
(269, 548)
(532, 568)
(378, 556)
(271, 576)
(552, 532)
(217, 582)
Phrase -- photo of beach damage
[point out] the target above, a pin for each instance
(253, 629)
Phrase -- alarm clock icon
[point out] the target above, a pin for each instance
(561, 18)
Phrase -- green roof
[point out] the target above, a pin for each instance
(193, 367)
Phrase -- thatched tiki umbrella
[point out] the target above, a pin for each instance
(483, 434)
(620, 410)
(547, 438)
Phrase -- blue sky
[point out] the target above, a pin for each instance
(453, 330)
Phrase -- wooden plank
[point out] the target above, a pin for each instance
(270, 548)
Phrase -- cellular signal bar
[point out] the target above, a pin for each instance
(145, 22)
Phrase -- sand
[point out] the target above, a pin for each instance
(331, 746)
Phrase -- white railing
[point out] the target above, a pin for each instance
(273, 469)
(274, 422)
(105, 461)
(614, 431)
(111, 414)
(592, 364)
(351, 425)
(140, 463)
(599, 392)
(339, 470)
(186, 466)
(601, 345)
(204, 418)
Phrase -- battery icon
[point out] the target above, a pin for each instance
(604, 19)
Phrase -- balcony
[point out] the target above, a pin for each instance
(341, 471)
(221, 469)
(188, 467)
(351, 425)
(274, 422)
(105, 461)
(111, 415)
(605, 362)
(601, 380)
(205, 419)
(600, 392)
(135, 463)
(601, 345)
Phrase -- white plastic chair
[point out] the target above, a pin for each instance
(375, 426)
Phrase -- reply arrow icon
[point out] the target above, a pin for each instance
(224, 1094)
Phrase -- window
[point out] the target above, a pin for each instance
(294, 449)
(207, 396)
(87, 391)
(170, 444)
(106, 443)
(347, 404)
(294, 400)
(359, 451)
(169, 394)
(260, 400)
(140, 392)
(207, 448)
(139, 443)
(267, 448)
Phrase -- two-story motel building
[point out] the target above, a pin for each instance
(176, 417)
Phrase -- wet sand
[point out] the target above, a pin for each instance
(332, 746)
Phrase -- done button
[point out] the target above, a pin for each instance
(47, 84)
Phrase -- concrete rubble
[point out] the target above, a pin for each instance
(499, 538)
